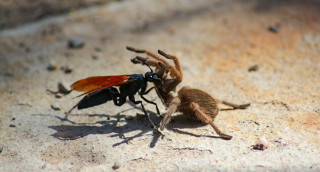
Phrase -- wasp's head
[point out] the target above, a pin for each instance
(152, 77)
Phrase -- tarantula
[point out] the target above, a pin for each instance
(192, 102)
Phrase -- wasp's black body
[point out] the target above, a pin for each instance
(137, 83)
(129, 86)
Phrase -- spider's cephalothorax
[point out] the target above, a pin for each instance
(190, 101)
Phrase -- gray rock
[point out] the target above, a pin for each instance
(76, 42)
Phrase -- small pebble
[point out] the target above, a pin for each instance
(63, 87)
(68, 54)
(28, 49)
(52, 66)
(128, 117)
(55, 106)
(21, 44)
(66, 69)
(262, 144)
(94, 57)
(253, 68)
(116, 166)
(1, 148)
(274, 28)
(12, 125)
(97, 49)
(24, 104)
(58, 95)
(44, 166)
(8, 74)
(76, 42)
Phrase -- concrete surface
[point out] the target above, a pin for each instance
(216, 41)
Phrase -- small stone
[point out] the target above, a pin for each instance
(28, 49)
(52, 66)
(1, 148)
(116, 166)
(76, 43)
(58, 95)
(68, 54)
(55, 106)
(24, 104)
(21, 44)
(94, 57)
(63, 87)
(262, 144)
(129, 118)
(67, 69)
(253, 68)
(274, 28)
(8, 74)
(12, 125)
(97, 49)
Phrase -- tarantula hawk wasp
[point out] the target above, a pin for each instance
(101, 89)
(195, 103)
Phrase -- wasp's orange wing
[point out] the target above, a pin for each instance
(95, 83)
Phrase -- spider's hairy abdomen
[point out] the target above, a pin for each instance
(206, 102)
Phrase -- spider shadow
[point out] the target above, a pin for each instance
(74, 130)
(181, 121)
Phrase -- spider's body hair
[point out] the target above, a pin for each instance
(206, 102)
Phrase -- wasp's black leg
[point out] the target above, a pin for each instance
(131, 98)
(151, 102)
(155, 128)
(149, 90)
(158, 112)
(67, 113)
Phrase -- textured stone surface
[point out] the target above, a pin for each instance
(216, 42)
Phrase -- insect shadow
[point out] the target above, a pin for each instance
(107, 126)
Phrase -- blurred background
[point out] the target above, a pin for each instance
(17, 12)
(263, 52)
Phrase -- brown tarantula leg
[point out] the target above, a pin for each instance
(135, 49)
(175, 71)
(148, 53)
(162, 70)
(208, 120)
(143, 61)
(175, 60)
(173, 106)
(235, 106)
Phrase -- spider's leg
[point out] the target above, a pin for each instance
(235, 106)
(175, 71)
(207, 119)
(149, 53)
(173, 106)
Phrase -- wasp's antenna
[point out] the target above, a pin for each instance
(140, 59)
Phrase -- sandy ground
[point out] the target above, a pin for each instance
(17, 12)
(216, 42)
